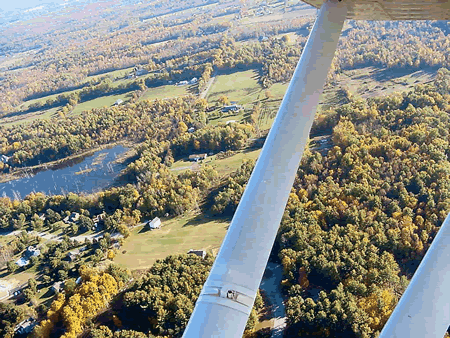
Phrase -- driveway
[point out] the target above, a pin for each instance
(270, 284)
(208, 86)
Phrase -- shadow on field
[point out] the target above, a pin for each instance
(203, 218)
(144, 229)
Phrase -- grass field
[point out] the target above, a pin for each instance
(223, 166)
(177, 235)
(104, 101)
(113, 74)
(228, 165)
(28, 118)
(162, 92)
(242, 87)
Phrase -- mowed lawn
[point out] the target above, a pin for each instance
(228, 165)
(162, 92)
(103, 101)
(242, 87)
(177, 235)
(223, 166)
(30, 117)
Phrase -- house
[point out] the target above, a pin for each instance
(119, 101)
(182, 83)
(79, 280)
(72, 255)
(22, 262)
(194, 80)
(191, 130)
(26, 326)
(98, 220)
(197, 157)
(231, 121)
(32, 251)
(72, 218)
(154, 224)
(199, 253)
(233, 108)
(4, 158)
(140, 71)
(57, 287)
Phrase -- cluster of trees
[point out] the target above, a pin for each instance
(233, 136)
(49, 140)
(403, 44)
(158, 304)
(10, 316)
(229, 195)
(162, 300)
(68, 314)
(361, 217)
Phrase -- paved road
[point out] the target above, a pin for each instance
(58, 238)
(270, 284)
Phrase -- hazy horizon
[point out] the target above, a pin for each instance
(26, 4)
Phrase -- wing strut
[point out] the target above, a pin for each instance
(227, 297)
(424, 309)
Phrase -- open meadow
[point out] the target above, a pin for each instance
(177, 235)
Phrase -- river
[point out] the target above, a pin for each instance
(88, 174)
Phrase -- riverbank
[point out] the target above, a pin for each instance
(25, 172)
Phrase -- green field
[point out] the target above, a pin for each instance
(113, 74)
(162, 92)
(242, 87)
(28, 118)
(177, 235)
(223, 166)
(228, 165)
(104, 101)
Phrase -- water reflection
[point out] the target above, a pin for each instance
(82, 175)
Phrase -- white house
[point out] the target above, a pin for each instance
(154, 224)
(197, 157)
(199, 253)
(193, 81)
(119, 101)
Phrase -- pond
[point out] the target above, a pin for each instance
(83, 175)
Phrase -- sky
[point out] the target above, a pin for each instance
(14, 5)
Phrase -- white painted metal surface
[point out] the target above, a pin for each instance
(424, 309)
(394, 9)
(229, 292)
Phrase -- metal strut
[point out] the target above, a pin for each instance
(227, 297)
(424, 309)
